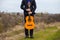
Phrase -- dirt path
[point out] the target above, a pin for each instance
(14, 37)
(4, 36)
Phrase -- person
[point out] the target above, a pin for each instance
(24, 6)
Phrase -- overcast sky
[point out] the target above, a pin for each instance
(51, 6)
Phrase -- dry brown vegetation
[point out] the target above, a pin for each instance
(47, 18)
(8, 21)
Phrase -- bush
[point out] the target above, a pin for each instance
(8, 21)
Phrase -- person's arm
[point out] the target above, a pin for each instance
(34, 6)
(22, 5)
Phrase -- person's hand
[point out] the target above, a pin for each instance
(28, 10)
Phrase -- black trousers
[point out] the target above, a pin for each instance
(28, 32)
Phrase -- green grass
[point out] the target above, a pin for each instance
(57, 35)
(47, 34)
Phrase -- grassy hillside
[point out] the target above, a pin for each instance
(47, 34)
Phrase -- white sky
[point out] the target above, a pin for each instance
(51, 6)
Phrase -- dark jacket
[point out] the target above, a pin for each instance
(32, 7)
